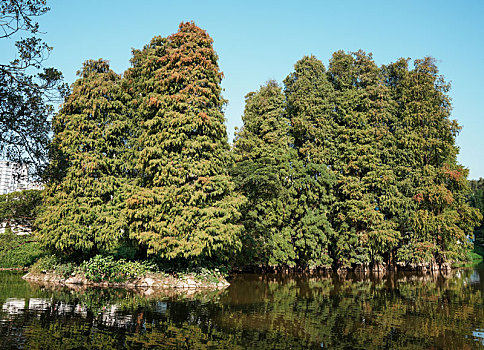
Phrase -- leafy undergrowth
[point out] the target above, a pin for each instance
(477, 254)
(474, 256)
(18, 251)
(106, 268)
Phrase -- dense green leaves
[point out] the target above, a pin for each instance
(183, 204)
(385, 135)
(363, 141)
(439, 221)
(20, 208)
(263, 173)
(83, 201)
(350, 166)
(476, 200)
(309, 106)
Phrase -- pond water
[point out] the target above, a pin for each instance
(386, 311)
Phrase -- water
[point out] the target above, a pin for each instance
(393, 311)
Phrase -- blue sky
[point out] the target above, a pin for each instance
(261, 40)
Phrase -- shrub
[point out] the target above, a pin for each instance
(18, 251)
(106, 268)
(51, 263)
(45, 264)
(208, 275)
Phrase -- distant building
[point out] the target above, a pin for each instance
(15, 177)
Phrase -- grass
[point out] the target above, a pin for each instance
(18, 251)
(477, 254)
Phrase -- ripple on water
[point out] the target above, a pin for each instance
(355, 311)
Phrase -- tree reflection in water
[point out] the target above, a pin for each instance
(396, 310)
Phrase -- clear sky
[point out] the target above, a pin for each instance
(261, 40)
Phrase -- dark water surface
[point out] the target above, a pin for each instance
(392, 311)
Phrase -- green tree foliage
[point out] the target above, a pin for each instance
(309, 104)
(439, 219)
(385, 135)
(27, 88)
(183, 204)
(263, 173)
(20, 208)
(83, 201)
(476, 200)
(365, 189)
(281, 173)
(350, 166)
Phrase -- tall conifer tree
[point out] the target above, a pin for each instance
(83, 201)
(183, 205)
(366, 185)
(434, 184)
(263, 173)
(309, 108)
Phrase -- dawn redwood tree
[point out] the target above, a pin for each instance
(309, 109)
(366, 191)
(440, 221)
(83, 200)
(183, 204)
(263, 173)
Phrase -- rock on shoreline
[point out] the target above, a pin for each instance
(151, 280)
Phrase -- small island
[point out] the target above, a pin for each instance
(102, 271)
(151, 280)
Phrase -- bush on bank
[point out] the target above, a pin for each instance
(98, 268)
(108, 269)
(18, 251)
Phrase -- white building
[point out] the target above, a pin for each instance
(13, 177)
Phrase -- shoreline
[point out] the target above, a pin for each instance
(382, 268)
(148, 281)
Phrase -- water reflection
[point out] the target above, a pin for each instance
(352, 311)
